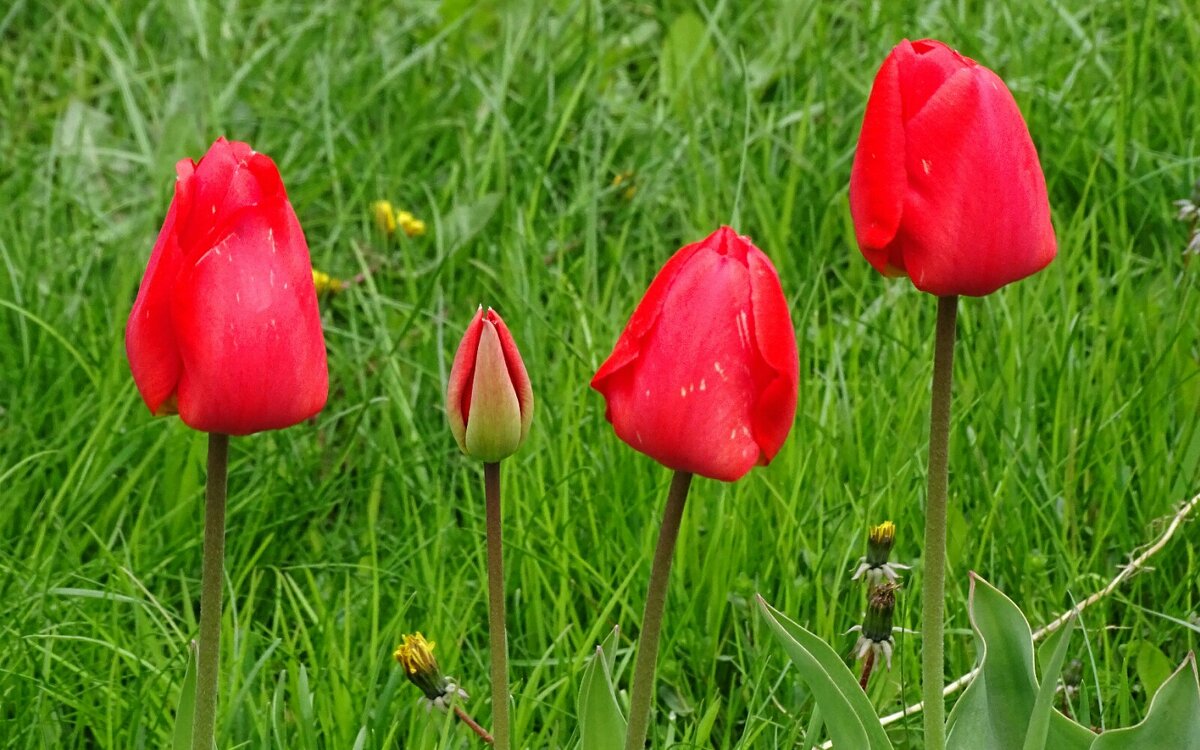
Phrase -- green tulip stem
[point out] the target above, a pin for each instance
(496, 632)
(211, 580)
(656, 600)
(933, 594)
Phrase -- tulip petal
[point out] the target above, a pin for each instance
(224, 186)
(249, 331)
(462, 374)
(494, 428)
(775, 409)
(645, 316)
(877, 180)
(149, 338)
(516, 372)
(975, 191)
(925, 66)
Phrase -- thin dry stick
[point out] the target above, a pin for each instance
(465, 718)
(1132, 567)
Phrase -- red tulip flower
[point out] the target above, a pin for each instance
(704, 377)
(225, 330)
(946, 186)
(489, 400)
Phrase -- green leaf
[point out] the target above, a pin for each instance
(847, 712)
(705, 727)
(464, 221)
(1043, 706)
(686, 66)
(601, 723)
(186, 710)
(1173, 720)
(996, 709)
(1153, 667)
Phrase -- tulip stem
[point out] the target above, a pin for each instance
(496, 632)
(656, 600)
(933, 594)
(212, 578)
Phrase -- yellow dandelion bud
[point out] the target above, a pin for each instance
(385, 217)
(883, 535)
(415, 655)
(875, 565)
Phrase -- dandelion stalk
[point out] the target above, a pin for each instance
(868, 665)
(656, 599)
(212, 577)
(496, 619)
(465, 718)
(933, 605)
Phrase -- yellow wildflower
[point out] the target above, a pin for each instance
(415, 655)
(412, 226)
(625, 178)
(385, 216)
(326, 283)
(875, 565)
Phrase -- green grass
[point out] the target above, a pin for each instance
(1076, 420)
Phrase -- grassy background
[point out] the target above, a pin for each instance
(1077, 391)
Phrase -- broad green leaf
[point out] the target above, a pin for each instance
(186, 711)
(847, 712)
(1173, 720)
(601, 724)
(1043, 706)
(464, 221)
(996, 709)
(1153, 667)
(686, 67)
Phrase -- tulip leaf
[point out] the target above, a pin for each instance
(185, 712)
(1173, 719)
(1153, 667)
(996, 710)
(601, 724)
(846, 711)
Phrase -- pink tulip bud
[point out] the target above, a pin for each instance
(489, 400)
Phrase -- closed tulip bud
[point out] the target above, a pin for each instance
(489, 400)
(225, 329)
(704, 377)
(946, 186)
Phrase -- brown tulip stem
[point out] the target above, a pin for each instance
(496, 619)
(212, 578)
(656, 600)
(933, 594)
